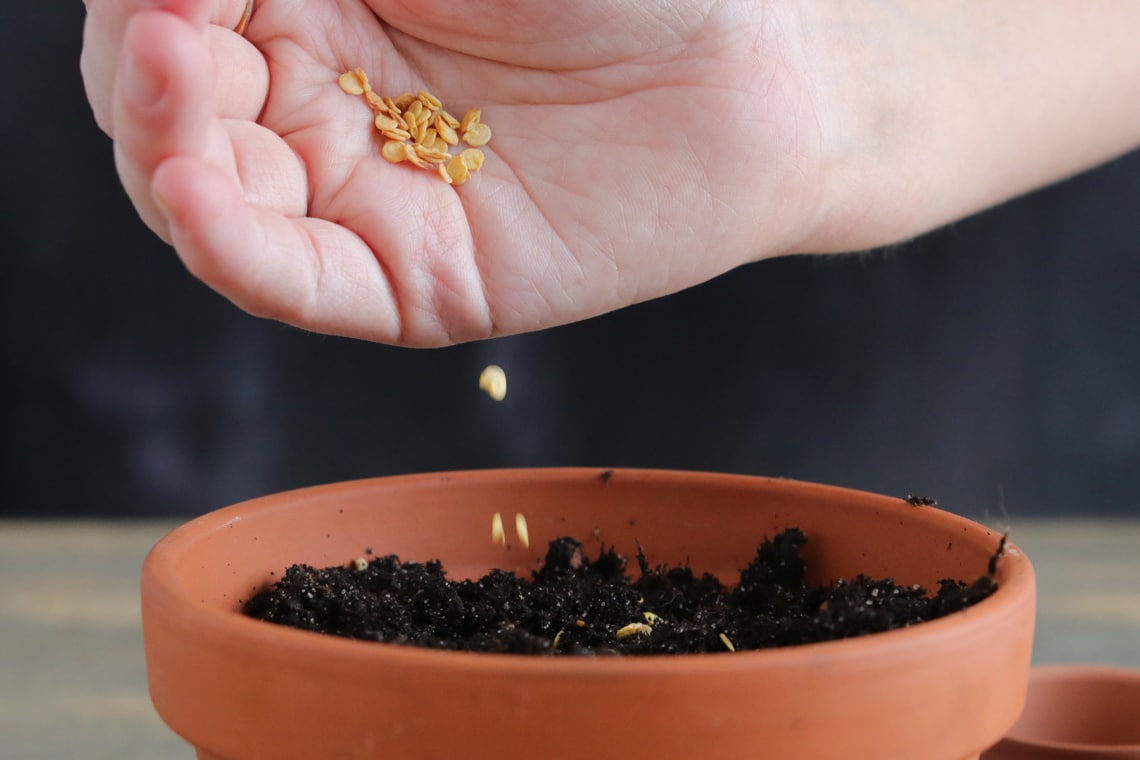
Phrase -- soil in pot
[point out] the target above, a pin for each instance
(575, 605)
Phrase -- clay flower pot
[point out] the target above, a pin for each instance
(1076, 712)
(238, 688)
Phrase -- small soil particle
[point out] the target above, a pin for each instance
(582, 604)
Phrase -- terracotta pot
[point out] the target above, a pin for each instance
(1076, 713)
(238, 688)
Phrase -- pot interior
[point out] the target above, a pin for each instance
(714, 523)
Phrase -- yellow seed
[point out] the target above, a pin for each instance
(521, 529)
(446, 131)
(415, 108)
(398, 135)
(650, 618)
(443, 173)
(460, 174)
(393, 150)
(727, 642)
(478, 134)
(430, 136)
(470, 119)
(492, 379)
(351, 83)
(633, 629)
(498, 535)
(363, 79)
(385, 123)
(411, 156)
(557, 638)
(375, 102)
(392, 107)
(404, 100)
(361, 564)
(429, 100)
(451, 120)
(473, 157)
(431, 155)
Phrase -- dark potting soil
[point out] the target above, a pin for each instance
(574, 605)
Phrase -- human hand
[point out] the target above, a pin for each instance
(638, 149)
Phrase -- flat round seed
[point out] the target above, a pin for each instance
(361, 564)
(478, 134)
(431, 155)
(375, 102)
(350, 83)
(445, 131)
(451, 120)
(411, 156)
(473, 157)
(385, 123)
(396, 134)
(492, 379)
(404, 100)
(363, 79)
(443, 173)
(392, 107)
(633, 629)
(393, 150)
(470, 119)
(457, 168)
(429, 100)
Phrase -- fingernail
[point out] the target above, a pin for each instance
(140, 84)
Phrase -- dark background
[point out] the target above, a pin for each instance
(993, 365)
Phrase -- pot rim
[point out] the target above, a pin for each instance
(1014, 576)
(1061, 673)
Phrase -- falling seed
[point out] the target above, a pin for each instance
(580, 623)
(521, 529)
(651, 618)
(727, 642)
(493, 380)
(558, 638)
(498, 535)
(361, 564)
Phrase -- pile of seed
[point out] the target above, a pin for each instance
(573, 605)
(419, 131)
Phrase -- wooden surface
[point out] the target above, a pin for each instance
(72, 676)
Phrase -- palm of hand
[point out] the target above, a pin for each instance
(622, 166)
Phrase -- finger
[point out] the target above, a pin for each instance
(161, 103)
(103, 35)
(305, 272)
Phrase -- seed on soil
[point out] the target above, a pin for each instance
(651, 618)
(771, 604)
(498, 535)
(633, 629)
(493, 380)
(521, 529)
(361, 564)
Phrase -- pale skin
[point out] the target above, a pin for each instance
(639, 147)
